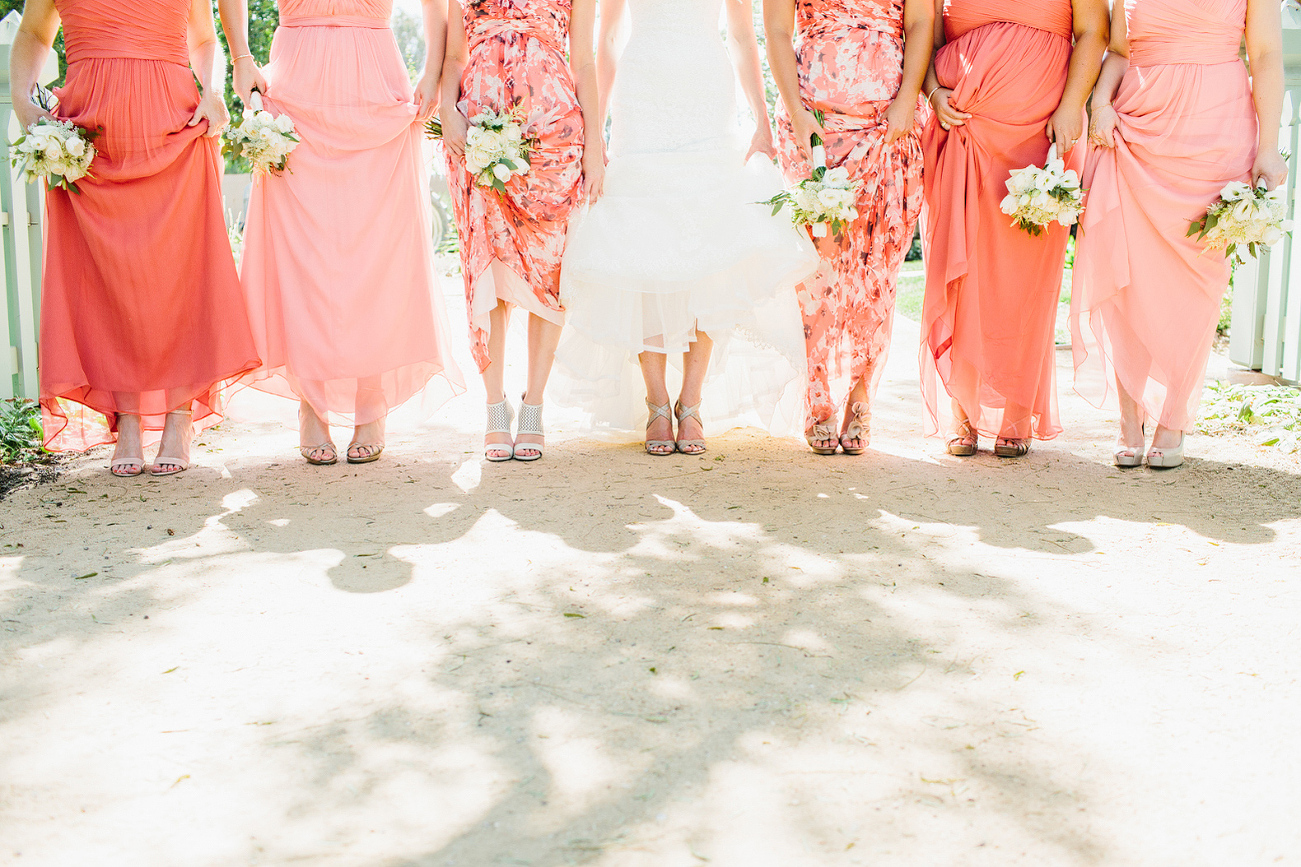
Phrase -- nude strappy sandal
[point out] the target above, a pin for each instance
(963, 442)
(500, 416)
(664, 447)
(327, 447)
(176, 463)
(689, 447)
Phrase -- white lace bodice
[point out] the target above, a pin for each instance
(674, 90)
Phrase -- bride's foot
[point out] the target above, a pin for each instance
(314, 442)
(174, 449)
(659, 429)
(691, 431)
(129, 454)
(367, 442)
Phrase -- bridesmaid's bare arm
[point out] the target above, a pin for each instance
(234, 21)
(1265, 51)
(454, 59)
(918, 45)
(427, 86)
(1092, 33)
(938, 96)
(582, 64)
(30, 49)
(1103, 119)
(779, 30)
(209, 65)
(607, 52)
(745, 57)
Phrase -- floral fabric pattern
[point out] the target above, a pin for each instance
(517, 56)
(850, 56)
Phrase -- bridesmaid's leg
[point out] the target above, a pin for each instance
(174, 447)
(314, 436)
(129, 453)
(1132, 419)
(494, 374)
(858, 396)
(653, 370)
(695, 364)
(368, 437)
(544, 337)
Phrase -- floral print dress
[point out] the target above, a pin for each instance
(512, 244)
(850, 55)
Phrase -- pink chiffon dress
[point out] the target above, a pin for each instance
(1146, 298)
(338, 251)
(992, 289)
(850, 57)
(141, 310)
(512, 244)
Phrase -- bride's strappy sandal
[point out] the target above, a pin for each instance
(530, 423)
(688, 447)
(860, 428)
(659, 448)
(500, 416)
(174, 464)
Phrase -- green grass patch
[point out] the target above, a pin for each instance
(1269, 414)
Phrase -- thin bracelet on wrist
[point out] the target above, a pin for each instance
(931, 95)
(240, 57)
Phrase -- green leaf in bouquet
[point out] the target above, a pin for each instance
(434, 129)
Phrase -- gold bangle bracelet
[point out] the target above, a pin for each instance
(240, 57)
(931, 95)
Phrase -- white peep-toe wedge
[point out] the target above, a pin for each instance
(500, 416)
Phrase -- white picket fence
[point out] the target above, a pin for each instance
(20, 251)
(1265, 333)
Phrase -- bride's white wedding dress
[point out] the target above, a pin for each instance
(678, 242)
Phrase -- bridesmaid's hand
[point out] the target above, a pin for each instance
(427, 93)
(1103, 126)
(1269, 170)
(1065, 128)
(947, 115)
(212, 108)
(899, 119)
(761, 143)
(804, 125)
(593, 173)
(455, 127)
(29, 112)
(248, 78)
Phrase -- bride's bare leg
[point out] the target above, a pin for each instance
(544, 337)
(494, 374)
(654, 366)
(695, 364)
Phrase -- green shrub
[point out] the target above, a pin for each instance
(20, 431)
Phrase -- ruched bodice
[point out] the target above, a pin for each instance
(155, 30)
(335, 13)
(962, 16)
(1184, 31)
(814, 18)
(545, 20)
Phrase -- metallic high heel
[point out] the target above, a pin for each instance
(659, 448)
(688, 447)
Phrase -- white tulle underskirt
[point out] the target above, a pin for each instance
(678, 244)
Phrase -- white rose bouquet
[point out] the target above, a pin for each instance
(1243, 216)
(56, 150)
(496, 149)
(826, 199)
(1038, 196)
(261, 138)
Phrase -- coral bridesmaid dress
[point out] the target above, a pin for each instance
(992, 289)
(141, 310)
(338, 255)
(850, 56)
(1146, 299)
(512, 244)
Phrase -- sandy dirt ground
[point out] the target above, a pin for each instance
(755, 657)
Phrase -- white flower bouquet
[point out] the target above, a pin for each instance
(55, 150)
(495, 147)
(1038, 196)
(1243, 216)
(826, 199)
(262, 138)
